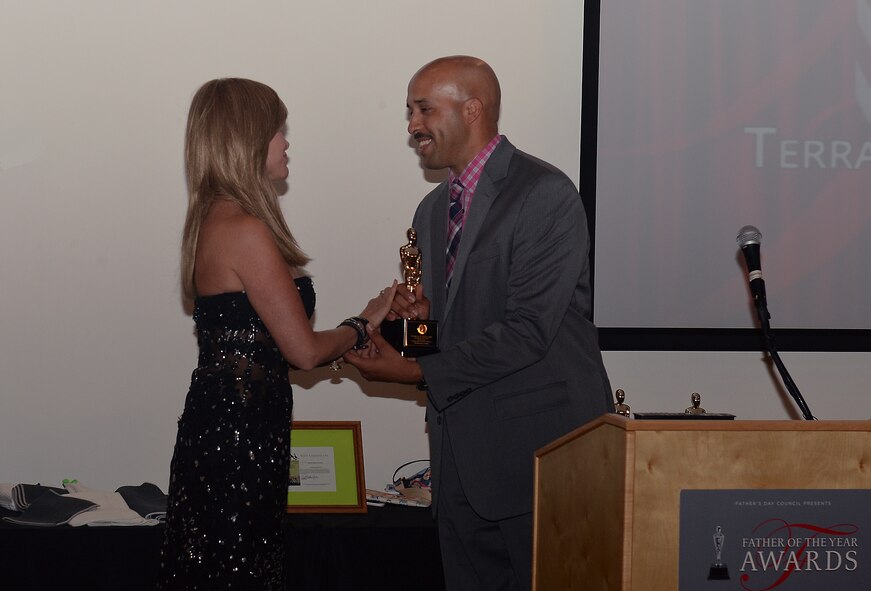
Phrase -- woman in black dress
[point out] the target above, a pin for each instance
(252, 305)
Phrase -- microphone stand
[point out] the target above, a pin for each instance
(764, 316)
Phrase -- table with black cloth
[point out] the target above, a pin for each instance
(387, 548)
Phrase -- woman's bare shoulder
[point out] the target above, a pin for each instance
(232, 245)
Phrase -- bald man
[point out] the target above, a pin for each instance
(506, 274)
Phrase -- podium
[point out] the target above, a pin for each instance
(607, 495)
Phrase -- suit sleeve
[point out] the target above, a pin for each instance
(548, 255)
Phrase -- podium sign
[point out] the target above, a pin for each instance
(789, 540)
(610, 499)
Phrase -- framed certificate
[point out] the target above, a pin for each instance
(326, 468)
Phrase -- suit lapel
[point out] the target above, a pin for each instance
(488, 190)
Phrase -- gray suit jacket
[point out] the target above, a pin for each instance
(520, 363)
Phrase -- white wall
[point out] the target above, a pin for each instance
(95, 348)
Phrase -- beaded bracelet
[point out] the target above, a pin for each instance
(358, 323)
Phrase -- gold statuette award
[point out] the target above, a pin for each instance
(412, 337)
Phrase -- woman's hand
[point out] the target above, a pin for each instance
(382, 363)
(379, 306)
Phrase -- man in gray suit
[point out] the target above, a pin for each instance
(506, 274)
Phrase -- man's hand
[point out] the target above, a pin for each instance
(408, 304)
(380, 362)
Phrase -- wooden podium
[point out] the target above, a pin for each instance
(607, 495)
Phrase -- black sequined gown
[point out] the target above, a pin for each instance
(228, 479)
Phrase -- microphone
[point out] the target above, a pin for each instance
(749, 239)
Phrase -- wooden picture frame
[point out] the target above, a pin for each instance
(326, 468)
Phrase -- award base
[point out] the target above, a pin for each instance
(718, 572)
(412, 338)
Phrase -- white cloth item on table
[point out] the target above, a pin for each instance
(111, 509)
(6, 496)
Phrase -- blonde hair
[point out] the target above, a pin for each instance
(230, 124)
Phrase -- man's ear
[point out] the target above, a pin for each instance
(473, 109)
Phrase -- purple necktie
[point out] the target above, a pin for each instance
(455, 227)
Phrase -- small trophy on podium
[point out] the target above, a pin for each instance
(695, 409)
(412, 337)
(621, 408)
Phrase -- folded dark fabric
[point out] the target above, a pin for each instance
(146, 499)
(51, 509)
(25, 494)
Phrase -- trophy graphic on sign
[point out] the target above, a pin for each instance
(718, 571)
